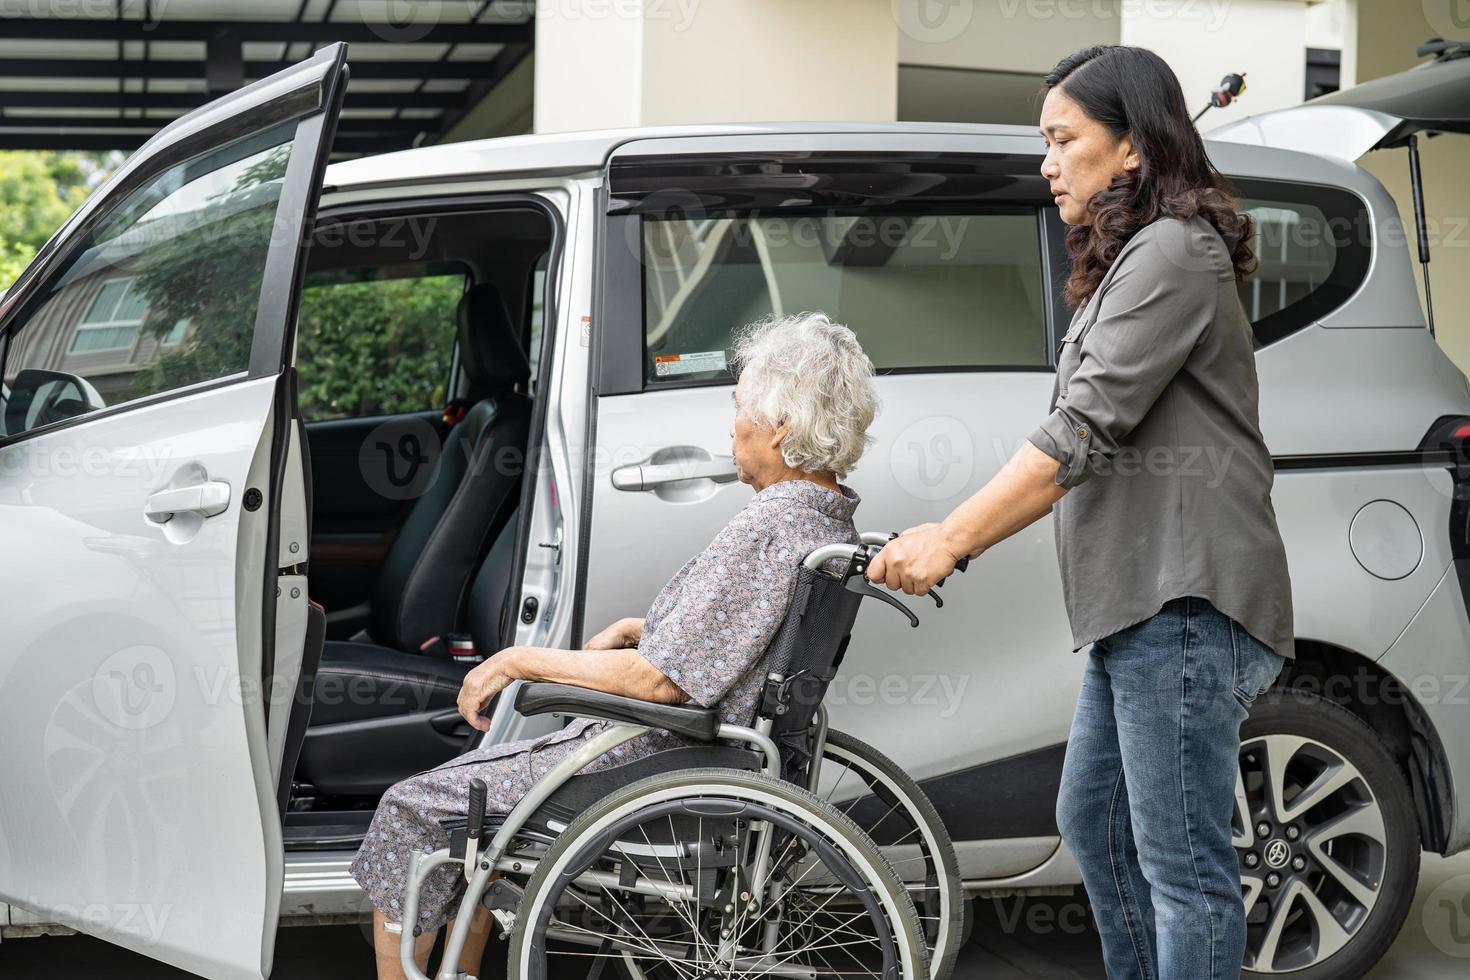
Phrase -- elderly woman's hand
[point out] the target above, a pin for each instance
(622, 635)
(914, 560)
(485, 681)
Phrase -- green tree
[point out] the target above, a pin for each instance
(377, 347)
(38, 192)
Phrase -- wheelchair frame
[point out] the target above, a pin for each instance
(479, 865)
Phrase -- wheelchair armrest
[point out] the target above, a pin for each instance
(541, 697)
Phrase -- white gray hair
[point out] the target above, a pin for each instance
(810, 373)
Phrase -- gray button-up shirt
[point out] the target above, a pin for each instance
(1154, 420)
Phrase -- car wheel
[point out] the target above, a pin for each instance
(1328, 843)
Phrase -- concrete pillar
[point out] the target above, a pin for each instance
(1387, 33)
(613, 63)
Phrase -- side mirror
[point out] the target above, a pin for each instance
(40, 398)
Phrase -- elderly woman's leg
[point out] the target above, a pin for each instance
(386, 946)
(409, 820)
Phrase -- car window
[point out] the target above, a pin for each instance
(377, 341)
(160, 295)
(921, 291)
(1311, 254)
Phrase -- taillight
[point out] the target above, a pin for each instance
(1448, 441)
(1450, 434)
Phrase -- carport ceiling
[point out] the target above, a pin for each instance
(107, 74)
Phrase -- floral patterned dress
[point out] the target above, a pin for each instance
(708, 630)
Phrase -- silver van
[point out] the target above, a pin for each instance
(286, 446)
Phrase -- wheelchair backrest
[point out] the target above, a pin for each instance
(804, 657)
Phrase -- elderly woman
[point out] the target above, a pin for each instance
(803, 405)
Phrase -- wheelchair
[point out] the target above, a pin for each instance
(780, 848)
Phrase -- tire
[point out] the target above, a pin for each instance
(940, 899)
(719, 792)
(1358, 840)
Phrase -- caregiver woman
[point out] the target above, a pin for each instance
(1172, 565)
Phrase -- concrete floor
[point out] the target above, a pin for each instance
(1037, 938)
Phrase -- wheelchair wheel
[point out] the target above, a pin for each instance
(890, 807)
(661, 876)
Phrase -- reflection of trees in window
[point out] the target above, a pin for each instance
(204, 276)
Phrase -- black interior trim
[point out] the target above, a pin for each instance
(1347, 218)
(1323, 461)
(617, 324)
(1011, 797)
(927, 181)
(285, 262)
(1055, 267)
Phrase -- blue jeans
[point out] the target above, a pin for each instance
(1148, 789)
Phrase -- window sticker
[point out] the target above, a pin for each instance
(669, 365)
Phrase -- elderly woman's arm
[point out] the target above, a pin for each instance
(622, 672)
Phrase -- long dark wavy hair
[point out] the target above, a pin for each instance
(1132, 91)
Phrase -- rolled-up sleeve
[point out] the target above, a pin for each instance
(1151, 315)
(726, 613)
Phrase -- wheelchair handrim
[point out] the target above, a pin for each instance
(635, 808)
(931, 846)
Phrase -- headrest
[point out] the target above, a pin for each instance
(489, 344)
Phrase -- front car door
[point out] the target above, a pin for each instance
(941, 252)
(151, 503)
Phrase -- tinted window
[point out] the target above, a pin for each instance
(1311, 246)
(377, 341)
(923, 291)
(162, 294)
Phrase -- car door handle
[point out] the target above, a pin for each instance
(647, 476)
(205, 499)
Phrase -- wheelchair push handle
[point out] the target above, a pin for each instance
(880, 538)
(855, 577)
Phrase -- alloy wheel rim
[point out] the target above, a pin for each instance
(1313, 849)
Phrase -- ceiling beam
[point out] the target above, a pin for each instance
(352, 124)
(101, 142)
(192, 100)
(353, 31)
(500, 66)
(112, 68)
